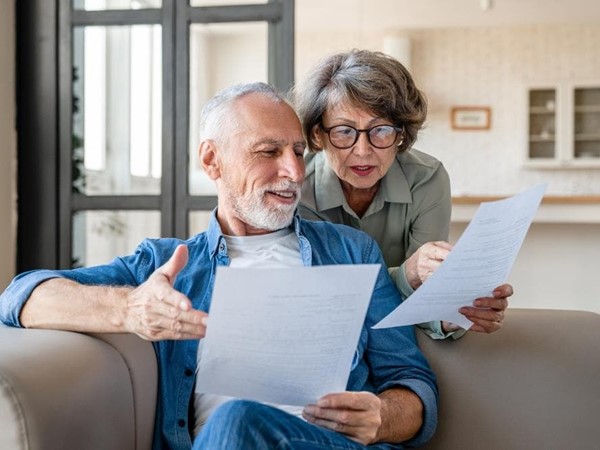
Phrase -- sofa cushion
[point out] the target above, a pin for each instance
(63, 390)
(535, 384)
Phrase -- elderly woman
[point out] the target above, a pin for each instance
(361, 112)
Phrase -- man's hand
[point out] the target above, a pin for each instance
(355, 414)
(425, 261)
(487, 313)
(395, 415)
(155, 311)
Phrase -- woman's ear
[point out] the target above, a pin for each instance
(209, 161)
(316, 137)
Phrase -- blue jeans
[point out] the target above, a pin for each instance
(248, 425)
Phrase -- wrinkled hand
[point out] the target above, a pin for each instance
(355, 414)
(487, 313)
(425, 261)
(155, 311)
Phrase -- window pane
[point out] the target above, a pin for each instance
(198, 221)
(221, 55)
(100, 236)
(97, 5)
(117, 109)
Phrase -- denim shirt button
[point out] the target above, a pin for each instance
(181, 423)
(188, 372)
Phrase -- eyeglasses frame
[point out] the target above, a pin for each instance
(398, 130)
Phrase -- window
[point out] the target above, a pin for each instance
(128, 82)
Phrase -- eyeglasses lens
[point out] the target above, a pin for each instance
(343, 136)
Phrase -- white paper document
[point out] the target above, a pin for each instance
(479, 262)
(284, 335)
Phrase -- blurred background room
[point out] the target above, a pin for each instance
(101, 98)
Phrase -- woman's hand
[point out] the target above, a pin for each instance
(425, 261)
(487, 313)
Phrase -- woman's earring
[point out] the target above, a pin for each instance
(400, 143)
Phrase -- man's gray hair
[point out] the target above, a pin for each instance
(216, 120)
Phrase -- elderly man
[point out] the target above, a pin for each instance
(252, 147)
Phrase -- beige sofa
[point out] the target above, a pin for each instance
(533, 385)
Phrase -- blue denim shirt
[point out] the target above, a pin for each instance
(385, 357)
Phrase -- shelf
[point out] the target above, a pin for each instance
(583, 209)
(587, 109)
(592, 199)
(540, 110)
(538, 138)
(587, 137)
(584, 163)
(554, 164)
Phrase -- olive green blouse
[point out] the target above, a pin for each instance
(412, 206)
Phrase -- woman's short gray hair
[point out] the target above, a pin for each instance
(216, 120)
(372, 81)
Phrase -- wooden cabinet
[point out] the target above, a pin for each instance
(563, 129)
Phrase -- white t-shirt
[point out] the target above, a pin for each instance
(278, 249)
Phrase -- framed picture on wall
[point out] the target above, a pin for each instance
(471, 118)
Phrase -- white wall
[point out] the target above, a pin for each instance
(493, 67)
(7, 144)
(557, 267)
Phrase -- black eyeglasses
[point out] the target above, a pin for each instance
(345, 136)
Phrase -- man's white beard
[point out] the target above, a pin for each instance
(252, 209)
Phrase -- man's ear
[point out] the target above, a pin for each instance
(208, 158)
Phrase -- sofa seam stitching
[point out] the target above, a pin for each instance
(18, 407)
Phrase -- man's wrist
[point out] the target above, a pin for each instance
(119, 313)
(401, 415)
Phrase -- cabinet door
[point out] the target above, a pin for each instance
(542, 143)
(586, 123)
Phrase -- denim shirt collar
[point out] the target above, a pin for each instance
(217, 244)
(214, 236)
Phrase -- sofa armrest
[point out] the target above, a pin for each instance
(63, 390)
(533, 384)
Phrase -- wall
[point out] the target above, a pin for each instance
(7, 144)
(490, 67)
(493, 67)
(557, 266)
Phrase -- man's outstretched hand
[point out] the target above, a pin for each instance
(156, 311)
